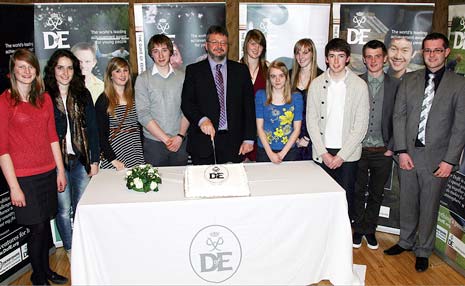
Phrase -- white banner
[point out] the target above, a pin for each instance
(283, 25)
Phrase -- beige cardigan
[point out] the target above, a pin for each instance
(356, 113)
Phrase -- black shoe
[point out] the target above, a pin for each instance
(56, 278)
(371, 241)
(36, 281)
(421, 264)
(394, 250)
(357, 240)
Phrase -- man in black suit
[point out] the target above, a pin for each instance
(375, 164)
(217, 99)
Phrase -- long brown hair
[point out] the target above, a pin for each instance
(110, 92)
(304, 44)
(287, 87)
(37, 85)
(257, 36)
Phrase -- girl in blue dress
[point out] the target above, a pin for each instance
(279, 117)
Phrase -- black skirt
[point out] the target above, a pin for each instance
(41, 198)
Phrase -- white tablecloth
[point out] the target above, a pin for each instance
(293, 229)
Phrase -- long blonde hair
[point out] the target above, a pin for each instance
(37, 85)
(287, 87)
(110, 92)
(304, 44)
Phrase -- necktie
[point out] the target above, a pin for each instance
(425, 107)
(374, 86)
(220, 91)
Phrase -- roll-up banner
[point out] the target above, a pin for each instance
(276, 21)
(456, 59)
(21, 17)
(95, 33)
(450, 238)
(450, 232)
(402, 27)
(185, 24)
(13, 238)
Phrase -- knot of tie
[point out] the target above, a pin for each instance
(218, 67)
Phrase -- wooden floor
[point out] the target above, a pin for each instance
(381, 269)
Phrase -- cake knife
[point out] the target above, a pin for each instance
(214, 149)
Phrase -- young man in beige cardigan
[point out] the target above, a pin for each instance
(337, 117)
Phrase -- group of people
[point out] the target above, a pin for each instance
(221, 111)
(56, 140)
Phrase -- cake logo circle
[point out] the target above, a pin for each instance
(215, 253)
(216, 174)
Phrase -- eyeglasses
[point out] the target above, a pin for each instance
(435, 51)
(216, 43)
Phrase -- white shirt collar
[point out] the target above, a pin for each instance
(155, 71)
(341, 80)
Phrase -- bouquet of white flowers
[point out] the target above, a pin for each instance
(143, 178)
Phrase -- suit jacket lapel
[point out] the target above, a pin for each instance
(418, 93)
(229, 90)
(210, 76)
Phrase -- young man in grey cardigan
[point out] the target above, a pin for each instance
(337, 117)
(158, 103)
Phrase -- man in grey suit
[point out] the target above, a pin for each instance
(374, 167)
(429, 135)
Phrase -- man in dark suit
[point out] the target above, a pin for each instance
(429, 135)
(375, 164)
(217, 99)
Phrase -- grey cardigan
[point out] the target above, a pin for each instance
(356, 112)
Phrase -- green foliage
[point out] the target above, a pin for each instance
(143, 178)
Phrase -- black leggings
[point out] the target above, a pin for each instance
(38, 247)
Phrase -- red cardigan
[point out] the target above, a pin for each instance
(26, 133)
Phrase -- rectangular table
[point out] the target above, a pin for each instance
(293, 229)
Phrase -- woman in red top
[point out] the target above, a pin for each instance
(30, 159)
(254, 50)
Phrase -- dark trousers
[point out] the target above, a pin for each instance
(372, 173)
(225, 151)
(38, 247)
(156, 153)
(292, 155)
(344, 176)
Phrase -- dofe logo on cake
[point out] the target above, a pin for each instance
(216, 174)
(215, 253)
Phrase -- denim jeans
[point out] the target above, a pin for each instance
(77, 179)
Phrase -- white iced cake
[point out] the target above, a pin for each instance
(208, 181)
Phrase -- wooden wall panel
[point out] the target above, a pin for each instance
(232, 16)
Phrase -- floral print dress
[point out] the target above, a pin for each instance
(278, 120)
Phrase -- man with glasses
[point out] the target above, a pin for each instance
(218, 101)
(429, 136)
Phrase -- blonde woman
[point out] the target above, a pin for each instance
(305, 69)
(279, 117)
(119, 131)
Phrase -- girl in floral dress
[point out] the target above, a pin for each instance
(279, 117)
